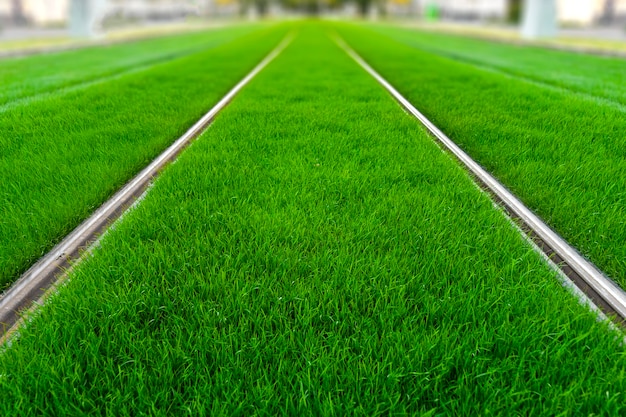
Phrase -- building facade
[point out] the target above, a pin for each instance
(35, 12)
(572, 12)
(589, 12)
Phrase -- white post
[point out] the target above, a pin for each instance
(373, 12)
(85, 17)
(417, 8)
(539, 19)
(208, 8)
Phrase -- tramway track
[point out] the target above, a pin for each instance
(594, 287)
(32, 287)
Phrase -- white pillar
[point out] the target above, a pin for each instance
(373, 13)
(539, 19)
(86, 17)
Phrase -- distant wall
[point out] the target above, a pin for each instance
(481, 9)
(588, 12)
(463, 9)
(45, 12)
(574, 12)
(35, 12)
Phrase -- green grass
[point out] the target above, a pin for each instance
(64, 155)
(562, 154)
(314, 253)
(597, 76)
(33, 75)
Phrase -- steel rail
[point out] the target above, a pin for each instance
(611, 295)
(34, 283)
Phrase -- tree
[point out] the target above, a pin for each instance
(514, 13)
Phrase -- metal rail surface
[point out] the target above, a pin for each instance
(34, 283)
(597, 286)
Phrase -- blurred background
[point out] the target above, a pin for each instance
(23, 19)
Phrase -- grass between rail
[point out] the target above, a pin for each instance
(33, 75)
(603, 77)
(564, 155)
(63, 156)
(314, 253)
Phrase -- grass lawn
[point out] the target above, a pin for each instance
(314, 253)
(64, 155)
(562, 153)
(26, 78)
(597, 76)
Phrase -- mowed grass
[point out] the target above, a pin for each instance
(63, 156)
(563, 154)
(314, 253)
(26, 77)
(598, 76)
